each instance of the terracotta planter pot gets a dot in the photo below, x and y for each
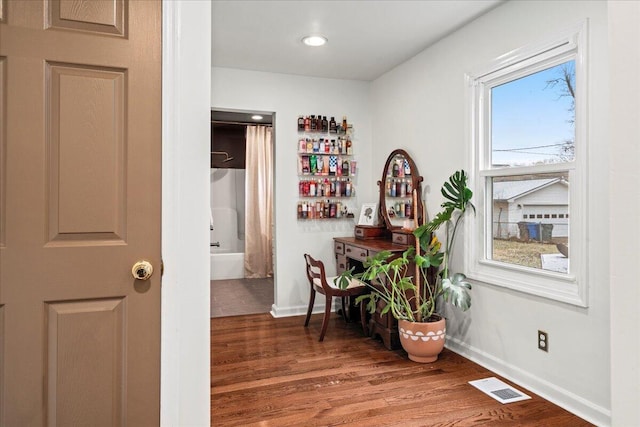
(422, 341)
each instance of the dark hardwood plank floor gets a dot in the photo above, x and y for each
(274, 372)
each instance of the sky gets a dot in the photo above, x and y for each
(529, 118)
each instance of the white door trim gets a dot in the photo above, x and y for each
(186, 68)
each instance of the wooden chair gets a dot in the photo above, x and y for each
(326, 286)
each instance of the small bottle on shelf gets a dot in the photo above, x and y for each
(312, 189)
(300, 124)
(333, 126)
(313, 123)
(307, 124)
(313, 165)
(345, 168)
(400, 168)
(333, 165)
(325, 124)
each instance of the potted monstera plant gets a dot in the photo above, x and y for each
(411, 286)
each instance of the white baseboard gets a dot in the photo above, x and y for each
(300, 310)
(565, 399)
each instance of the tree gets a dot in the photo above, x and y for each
(566, 82)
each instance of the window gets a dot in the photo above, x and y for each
(529, 170)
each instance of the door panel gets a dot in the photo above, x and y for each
(85, 138)
(3, 141)
(103, 16)
(80, 140)
(92, 332)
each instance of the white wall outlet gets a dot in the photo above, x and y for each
(543, 341)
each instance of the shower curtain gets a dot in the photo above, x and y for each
(258, 259)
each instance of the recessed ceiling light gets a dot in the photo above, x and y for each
(257, 117)
(314, 40)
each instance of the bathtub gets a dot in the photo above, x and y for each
(226, 265)
(227, 258)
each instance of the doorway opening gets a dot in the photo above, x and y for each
(241, 212)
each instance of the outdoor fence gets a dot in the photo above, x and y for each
(526, 231)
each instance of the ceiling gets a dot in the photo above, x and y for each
(366, 37)
(220, 117)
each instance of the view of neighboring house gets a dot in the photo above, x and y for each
(539, 201)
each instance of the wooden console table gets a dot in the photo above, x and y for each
(352, 252)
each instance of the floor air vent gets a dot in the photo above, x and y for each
(499, 390)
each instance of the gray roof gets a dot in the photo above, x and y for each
(507, 190)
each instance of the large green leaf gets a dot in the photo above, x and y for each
(456, 291)
(456, 191)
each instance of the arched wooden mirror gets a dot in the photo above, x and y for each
(399, 206)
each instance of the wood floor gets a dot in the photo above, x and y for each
(274, 372)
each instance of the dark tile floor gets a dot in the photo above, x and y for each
(241, 296)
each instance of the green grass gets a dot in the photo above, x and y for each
(521, 253)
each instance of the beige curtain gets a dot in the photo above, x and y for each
(258, 259)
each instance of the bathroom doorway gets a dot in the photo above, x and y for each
(241, 225)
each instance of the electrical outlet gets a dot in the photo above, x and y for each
(543, 341)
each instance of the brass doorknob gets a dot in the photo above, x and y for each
(142, 270)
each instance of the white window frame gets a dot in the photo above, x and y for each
(570, 288)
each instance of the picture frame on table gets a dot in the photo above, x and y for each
(368, 214)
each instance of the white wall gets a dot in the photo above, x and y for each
(420, 105)
(289, 96)
(624, 45)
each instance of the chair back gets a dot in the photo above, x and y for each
(315, 270)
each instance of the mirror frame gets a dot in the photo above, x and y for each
(416, 183)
